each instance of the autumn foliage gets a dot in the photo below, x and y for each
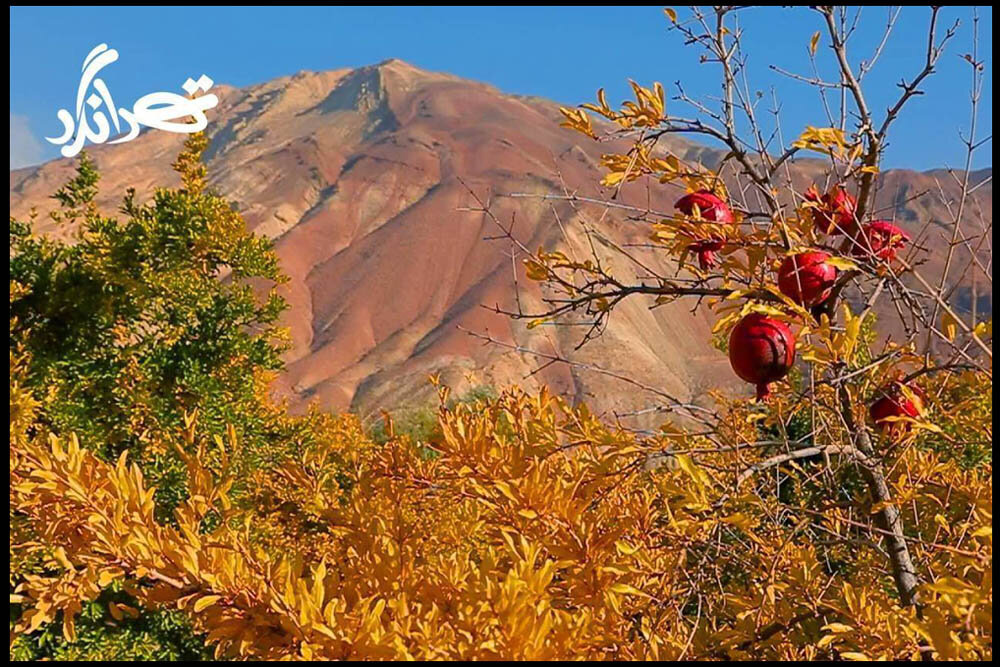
(163, 504)
(534, 532)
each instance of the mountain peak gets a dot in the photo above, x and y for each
(388, 62)
(408, 72)
(397, 65)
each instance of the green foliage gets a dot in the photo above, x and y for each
(154, 635)
(139, 321)
(80, 191)
(958, 408)
(143, 319)
(866, 339)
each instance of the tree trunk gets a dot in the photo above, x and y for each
(903, 571)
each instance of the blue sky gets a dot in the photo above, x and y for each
(563, 53)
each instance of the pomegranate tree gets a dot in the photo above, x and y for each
(815, 263)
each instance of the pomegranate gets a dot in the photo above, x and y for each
(880, 239)
(711, 209)
(892, 401)
(806, 278)
(761, 351)
(835, 215)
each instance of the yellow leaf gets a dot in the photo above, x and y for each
(949, 325)
(816, 138)
(625, 589)
(985, 531)
(69, 627)
(950, 586)
(505, 489)
(672, 15)
(613, 178)
(926, 426)
(206, 601)
(841, 263)
(698, 475)
(740, 520)
(625, 548)
(60, 555)
(535, 270)
(813, 43)
(837, 627)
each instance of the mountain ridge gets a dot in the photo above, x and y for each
(360, 177)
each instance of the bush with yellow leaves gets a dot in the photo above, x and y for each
(534, 532)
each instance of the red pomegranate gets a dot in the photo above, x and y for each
(880, 239)
(806, 278)
(711, 209)
(892, 401)
(761, 351)
(835, 214)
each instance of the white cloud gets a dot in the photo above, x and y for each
(24, 148)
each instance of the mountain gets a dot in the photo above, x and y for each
(362, 177)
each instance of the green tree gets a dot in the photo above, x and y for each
(142, 320)
(130, 328)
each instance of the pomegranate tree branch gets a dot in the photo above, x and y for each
(903, 571)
